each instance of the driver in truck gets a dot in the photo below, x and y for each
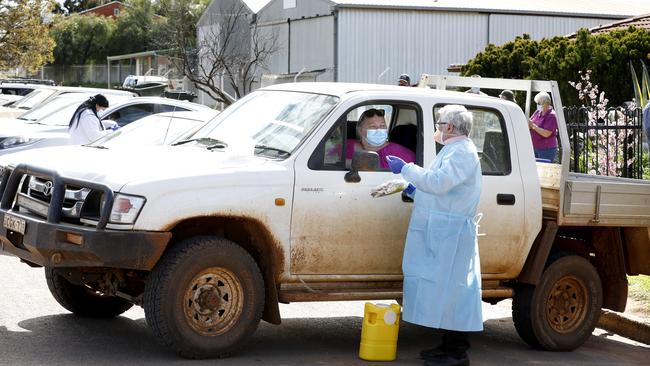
(441, 266)
(373, 136)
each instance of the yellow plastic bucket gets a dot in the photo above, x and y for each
(379, 332)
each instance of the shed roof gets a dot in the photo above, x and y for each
(579, 8)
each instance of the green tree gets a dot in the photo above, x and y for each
(24, 38)
(136, 28)
(560, 59)
(82, 39)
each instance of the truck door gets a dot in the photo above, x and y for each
(337, 227)
(502, 226)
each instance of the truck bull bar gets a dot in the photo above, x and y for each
(11, 180)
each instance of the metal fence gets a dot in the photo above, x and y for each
(606, 141)
(73, 75)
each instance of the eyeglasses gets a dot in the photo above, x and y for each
(373, 112)
(441, 123)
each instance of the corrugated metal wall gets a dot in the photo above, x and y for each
(311, 46)
(413, 42)
(308, 53)
(279, 61)
(504, 28)
(416, 42)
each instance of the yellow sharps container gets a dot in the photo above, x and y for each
(379, 332)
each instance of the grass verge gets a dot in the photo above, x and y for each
(639, 290)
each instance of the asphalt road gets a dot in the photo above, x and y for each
(35, 330)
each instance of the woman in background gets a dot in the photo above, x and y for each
(85, 126)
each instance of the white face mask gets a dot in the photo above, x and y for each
(376, 137)
(437, 137)
(539, 107)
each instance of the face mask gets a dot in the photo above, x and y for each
(539, 107)
(376, 137)
(437, 137)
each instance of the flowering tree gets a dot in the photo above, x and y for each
(607, 136)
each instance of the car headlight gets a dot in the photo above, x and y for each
(126, 208)
(15, 141)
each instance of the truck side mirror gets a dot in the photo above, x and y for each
(362, 161)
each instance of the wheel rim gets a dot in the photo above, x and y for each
(213, 301)
(566, 305)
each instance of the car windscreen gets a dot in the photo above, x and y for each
(268, 123)
(33, 98)
(151, 130)
(53, 106)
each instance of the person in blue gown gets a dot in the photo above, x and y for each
(442, 271)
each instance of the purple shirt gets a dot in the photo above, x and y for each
(548, 122)
(390, 149)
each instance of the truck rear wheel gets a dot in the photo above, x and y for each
(205, 297)
(561, 312)
(82, 300)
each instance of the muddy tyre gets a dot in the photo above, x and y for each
(561, 312)
(81, 300)
(205, 297)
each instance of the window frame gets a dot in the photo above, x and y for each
(504, 133)
(316, 160)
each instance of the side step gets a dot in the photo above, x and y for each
(349, 291)
(339, 291)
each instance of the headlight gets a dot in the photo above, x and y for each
(126, 208)
(15, 141)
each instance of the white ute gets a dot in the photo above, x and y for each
(263, 205)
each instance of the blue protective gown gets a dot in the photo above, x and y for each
(442, 271)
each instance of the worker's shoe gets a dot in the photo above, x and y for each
(447, 360)
(433, 352)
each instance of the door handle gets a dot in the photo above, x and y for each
(505, 199)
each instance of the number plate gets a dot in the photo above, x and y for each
(14, 224)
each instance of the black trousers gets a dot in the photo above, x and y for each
(455, 343)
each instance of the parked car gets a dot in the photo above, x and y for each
(263, 206)
(157, 129)
(45, 93)
(11, 91)
(48, 124)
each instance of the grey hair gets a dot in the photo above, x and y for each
(458, 116)
(542, 97)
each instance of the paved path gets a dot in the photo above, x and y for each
(35, 330)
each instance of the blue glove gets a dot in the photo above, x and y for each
(115, 128)
(395, 164)
(410, 189)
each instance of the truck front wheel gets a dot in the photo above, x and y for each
(204, 297)
(82, 300)
(561, 312)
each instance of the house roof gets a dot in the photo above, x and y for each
(101, 6)
(576, 8)
(642, 21)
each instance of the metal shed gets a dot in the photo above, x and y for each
(376, 40)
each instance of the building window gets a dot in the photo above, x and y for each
(289, 4)
(116, 12)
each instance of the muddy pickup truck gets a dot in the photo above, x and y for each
(264, 205)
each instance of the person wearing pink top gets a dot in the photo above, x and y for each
(373, 136)
(543, 129)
